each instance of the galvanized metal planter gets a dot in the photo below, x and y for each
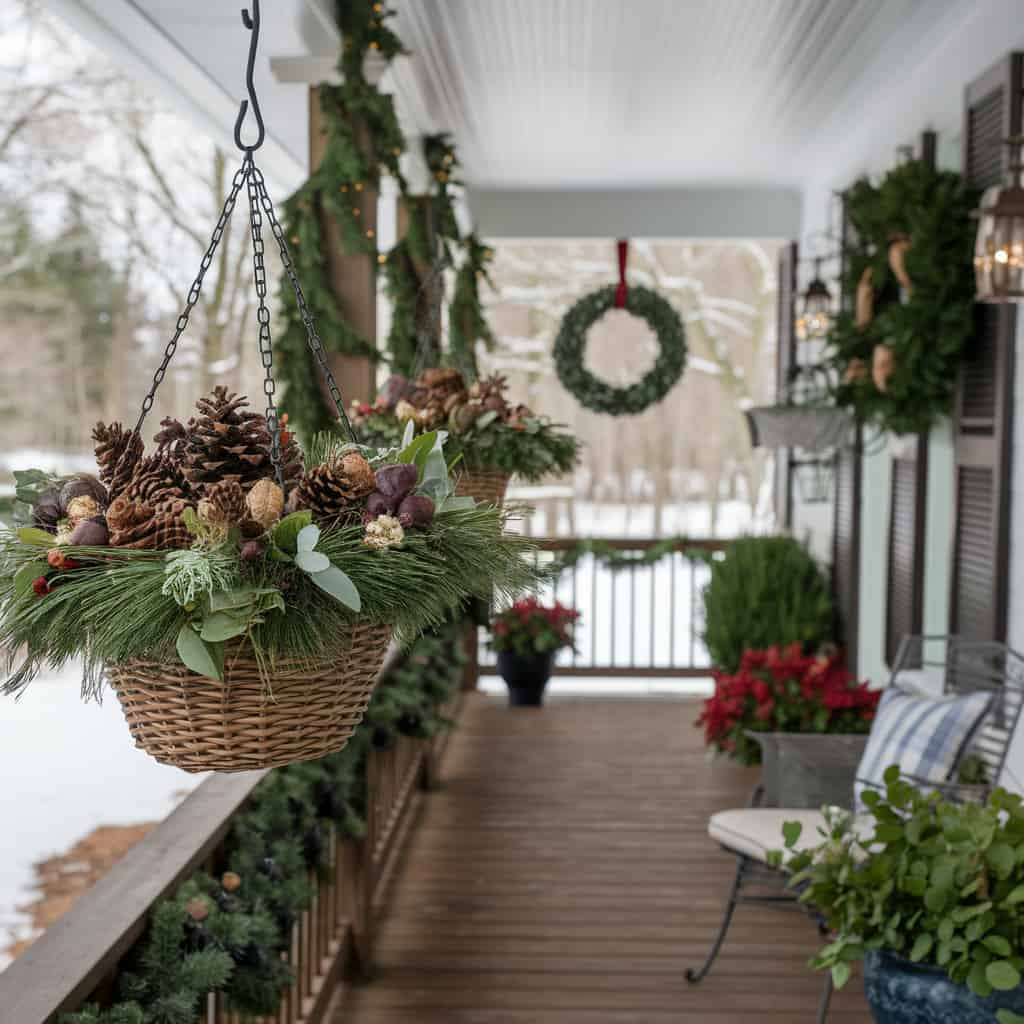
(808, 769)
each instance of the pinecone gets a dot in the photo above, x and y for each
(228, 442)
(118, 451)
(224, 503)
(490, 392)
(172, 437)
(158, 482)
(133, 524)
(437, 392)
(335, 490)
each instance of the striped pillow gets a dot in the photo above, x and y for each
(925, 736)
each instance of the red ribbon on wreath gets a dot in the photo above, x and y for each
(620, 292)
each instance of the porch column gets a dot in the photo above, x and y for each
(353, 277)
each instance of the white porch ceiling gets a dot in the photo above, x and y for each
(637, 93)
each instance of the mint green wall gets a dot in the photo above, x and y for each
(938, 529)
(876, 482)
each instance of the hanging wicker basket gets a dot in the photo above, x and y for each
(484, 486)
(200, 724)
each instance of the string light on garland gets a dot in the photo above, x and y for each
(349, 110)
(999, 246)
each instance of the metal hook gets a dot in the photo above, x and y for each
(253, 25)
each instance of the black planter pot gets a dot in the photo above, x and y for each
(526, 676)
(901, 992)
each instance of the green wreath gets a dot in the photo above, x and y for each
(594, 393)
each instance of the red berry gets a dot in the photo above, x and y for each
(40, 585)
(55, 558)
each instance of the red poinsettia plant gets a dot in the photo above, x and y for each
(784, 690)
(529, 627)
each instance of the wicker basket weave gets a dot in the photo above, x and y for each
(201, 724)
(486, 486)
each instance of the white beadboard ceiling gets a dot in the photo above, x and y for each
(697, 109)
(636, 93)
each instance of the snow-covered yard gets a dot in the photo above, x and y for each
(67, 768)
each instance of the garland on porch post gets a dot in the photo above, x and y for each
(355, 113)
(466, 322)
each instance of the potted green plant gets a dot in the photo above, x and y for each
(764, 591)
(930, 895)
(805, 717)
(527, 637)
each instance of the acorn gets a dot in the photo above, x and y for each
(416, 510)
(91, 533)
(83, 485)
(395, 482)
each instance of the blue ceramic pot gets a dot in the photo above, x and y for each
(900, 992)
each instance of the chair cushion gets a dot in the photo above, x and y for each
(925, 736)
(753, 831)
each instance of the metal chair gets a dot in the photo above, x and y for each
(943, 664)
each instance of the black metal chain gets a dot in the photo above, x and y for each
(259, 274)
(315, 344)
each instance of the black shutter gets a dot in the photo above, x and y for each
(904, 589)
(904, 592)
(785, 361)
(984, 402)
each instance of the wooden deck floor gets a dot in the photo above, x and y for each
(562, 875)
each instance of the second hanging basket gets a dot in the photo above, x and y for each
(300, 710)
(484, 486)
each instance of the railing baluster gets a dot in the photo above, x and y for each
(632, 616)
(651, 659)
(693, 607)
(672, 608)
(574, 594)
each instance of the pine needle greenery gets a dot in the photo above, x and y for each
(116, 604)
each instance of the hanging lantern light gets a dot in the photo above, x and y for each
(999, 247)
(816, 316)
(814, 479)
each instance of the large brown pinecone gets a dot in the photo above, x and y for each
(337, 489)
(133, 524)
(227, 441)
(171, 436)
(159, 483)
(118, 452)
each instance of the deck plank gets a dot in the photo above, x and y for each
(562, 875)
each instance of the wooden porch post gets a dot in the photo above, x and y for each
(430, 296)
(353, 277)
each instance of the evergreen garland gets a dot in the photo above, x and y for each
(925, 329)
(228, 933)
(352, 110)
(466, 322)
(614, 558)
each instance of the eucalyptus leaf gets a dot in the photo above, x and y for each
(408, 434)
(197, 655)
(33, 535)
(312, 561)
(221, 626)
(486, 419)
(339, 586)
(307, 538)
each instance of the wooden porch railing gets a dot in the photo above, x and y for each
(77, 960)
(635, 621)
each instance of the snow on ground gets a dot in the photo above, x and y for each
(68, 767)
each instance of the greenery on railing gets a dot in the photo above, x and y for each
(228, 933)
(614, 557)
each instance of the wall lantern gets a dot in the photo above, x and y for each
(816, 315)
(999, 247)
